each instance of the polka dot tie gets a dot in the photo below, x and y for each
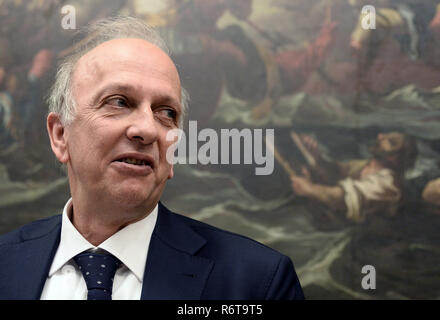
(98, 270)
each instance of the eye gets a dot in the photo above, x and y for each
(170, 113)
(167, 115)
(120, 102)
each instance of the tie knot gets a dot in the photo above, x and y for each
(98, 271)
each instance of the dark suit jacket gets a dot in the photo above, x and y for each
(187, 260)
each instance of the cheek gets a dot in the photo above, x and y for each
(163, 149)
(164, 146)
(89, 143)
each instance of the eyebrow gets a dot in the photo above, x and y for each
(133, 91)
(116, 87)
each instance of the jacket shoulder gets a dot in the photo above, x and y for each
(33, 230)
(224, 242)
(243, 268)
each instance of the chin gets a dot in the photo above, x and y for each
(132, 196)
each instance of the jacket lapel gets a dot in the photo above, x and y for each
(24, 271)
(173, 271)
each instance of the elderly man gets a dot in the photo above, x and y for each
(112, 105)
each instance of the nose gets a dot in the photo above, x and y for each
(142, 127)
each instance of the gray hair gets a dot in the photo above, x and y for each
(60, 98)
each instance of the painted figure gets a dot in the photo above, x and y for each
(360, 187)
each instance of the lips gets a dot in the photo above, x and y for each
(136, 159)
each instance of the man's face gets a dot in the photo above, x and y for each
(388, 146)
(390, 142)
(127, 94)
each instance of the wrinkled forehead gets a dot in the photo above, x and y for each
(124, 55)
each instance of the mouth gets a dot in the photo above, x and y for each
(134, 165)
(139, 160)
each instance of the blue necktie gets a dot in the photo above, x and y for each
(98, 270)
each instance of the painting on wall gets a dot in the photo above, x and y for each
(350, 90)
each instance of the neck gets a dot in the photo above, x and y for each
(97, 222)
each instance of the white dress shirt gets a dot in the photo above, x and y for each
(130, 245)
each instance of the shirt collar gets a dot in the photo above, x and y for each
(130, 244)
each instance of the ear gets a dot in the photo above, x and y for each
(57, 137)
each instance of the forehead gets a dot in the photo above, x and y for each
(134, 62)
